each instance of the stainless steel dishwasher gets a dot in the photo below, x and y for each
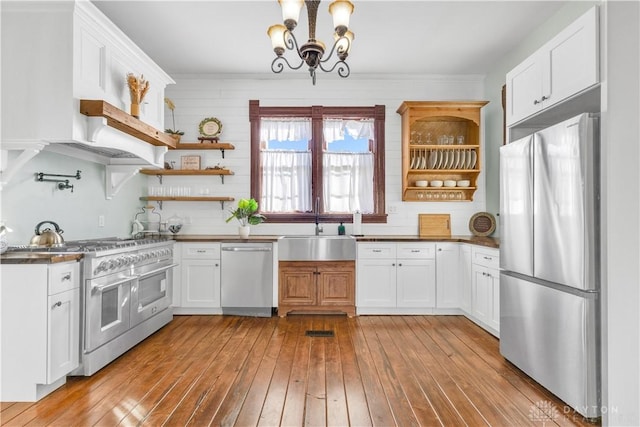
(247, 279)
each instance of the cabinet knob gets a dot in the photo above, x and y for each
(58, 304)
(439, 249)
(393, 264)
(66, 276)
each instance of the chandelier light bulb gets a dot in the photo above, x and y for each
(276, 34)
(341, 11)
(291, 12)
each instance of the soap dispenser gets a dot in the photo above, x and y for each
(341, 230)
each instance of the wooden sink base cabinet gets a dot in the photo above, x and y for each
(316, 287)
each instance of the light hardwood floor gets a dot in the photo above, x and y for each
(376, 370)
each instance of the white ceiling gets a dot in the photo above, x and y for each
(412, 37)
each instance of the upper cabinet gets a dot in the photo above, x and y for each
(440, 150)
(565, 66)
(55, 54)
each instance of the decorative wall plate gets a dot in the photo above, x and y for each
(210, 127)
(482, 224)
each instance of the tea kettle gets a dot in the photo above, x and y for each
(47, 237)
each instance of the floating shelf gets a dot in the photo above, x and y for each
(186, 172)
(126, 123)
(205, 146)
(161, 199)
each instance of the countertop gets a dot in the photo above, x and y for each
(481, 241)
(38, 258)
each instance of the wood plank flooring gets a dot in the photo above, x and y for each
(244, 371)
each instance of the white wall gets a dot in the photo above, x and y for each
(26, 202)
(621, 211)
(228, 100)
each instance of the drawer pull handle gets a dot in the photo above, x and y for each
(58, 304)
(66, 276)
(415, 250)
(377, 250)
(201, 251)
(488, 258)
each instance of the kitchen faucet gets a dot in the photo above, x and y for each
(318, 228)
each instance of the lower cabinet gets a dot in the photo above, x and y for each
(40, 318)
(485, 289)
(396, 278)
(448, 277)
(464, 278)
(316, 286)
(199, 284)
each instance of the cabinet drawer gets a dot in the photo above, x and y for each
(486, 256)
(416, 250)
(201, 251)
(376, 250)
(63, 277)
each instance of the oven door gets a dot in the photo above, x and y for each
(107, 312)
(152, 292)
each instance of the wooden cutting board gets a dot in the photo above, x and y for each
(434, 225)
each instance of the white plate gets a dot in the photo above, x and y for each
(423, 160)
(474, 158)
(458, 159)
(463, 159)
(441, 160)
(413, 160)
(468, 165)
(452, 158)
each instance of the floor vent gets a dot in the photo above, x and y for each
(319, 334)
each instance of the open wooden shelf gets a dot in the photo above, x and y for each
(186, 172)
(204, 146)
(118, 119)
(161, 199)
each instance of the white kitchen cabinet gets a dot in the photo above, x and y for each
(485, 289)
(564, 66)
(40, 328)
(447, 275)
(395, 278)
(465, 275)
(199, 284)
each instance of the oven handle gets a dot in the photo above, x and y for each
(112, 285)
(149, 273)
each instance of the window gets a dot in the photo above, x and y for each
(327, 161)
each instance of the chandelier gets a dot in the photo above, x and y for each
(312, 52)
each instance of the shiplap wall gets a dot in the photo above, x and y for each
(227, 98)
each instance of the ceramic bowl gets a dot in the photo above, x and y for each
(463, 183)
(449, 183)
(437, 183)
(422, 183)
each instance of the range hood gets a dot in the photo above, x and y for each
(121, 142)
(114, 137)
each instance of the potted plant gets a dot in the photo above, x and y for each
(246, 214)
(175, 133)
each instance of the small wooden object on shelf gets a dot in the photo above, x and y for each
(190, 162)
(210, 140)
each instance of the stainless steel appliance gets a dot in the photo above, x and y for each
(550, 260)
(125, 295)
(247, 279)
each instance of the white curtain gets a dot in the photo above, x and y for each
(335, 129)
(348, 182)
(286, 181)
(284, 129)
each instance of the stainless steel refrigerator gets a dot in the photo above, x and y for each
(550, 260)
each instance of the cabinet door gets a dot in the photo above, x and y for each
(465, 278)
(376, 283)
(336, 285)
(524, 89)
(416, 283)
(481, 294)
(447, 275)
(297, 286)
(493, 276)
(63, 331)
(200, 283)
(571, 59)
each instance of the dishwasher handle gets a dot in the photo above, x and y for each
(241, 249)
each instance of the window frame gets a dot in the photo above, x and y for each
(317, 113)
